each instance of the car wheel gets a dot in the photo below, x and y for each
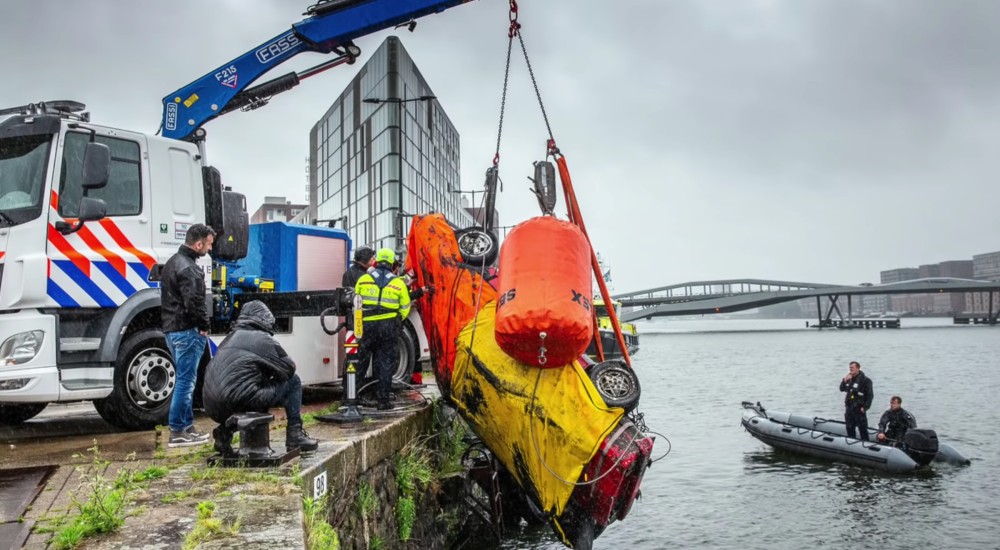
(617, 384)
(407, 357)
(12, 414)
(478, 246)
(144, 383)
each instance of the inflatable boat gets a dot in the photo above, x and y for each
(562, 444)
(825, 438)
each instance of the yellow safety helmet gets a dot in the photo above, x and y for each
(385, 255)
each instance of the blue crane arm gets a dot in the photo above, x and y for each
(331, 27)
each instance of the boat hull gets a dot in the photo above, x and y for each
(609, 345)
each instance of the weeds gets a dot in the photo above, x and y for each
(309, 418)
(366, 499)
(319, 533)
(406, 515)
(414, 472)
(209, 527)
(452, 439)
(413, 466)
(176, 496)
(104, 509)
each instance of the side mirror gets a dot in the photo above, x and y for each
(96, 167)
(92, 209)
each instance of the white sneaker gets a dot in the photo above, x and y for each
(187, 438)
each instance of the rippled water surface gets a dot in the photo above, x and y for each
(720, 488)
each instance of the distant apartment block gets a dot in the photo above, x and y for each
(985, 267)
(899, 275)
(924, 304)
(277, 209)
(900, 302)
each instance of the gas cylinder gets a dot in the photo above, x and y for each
(544, 313)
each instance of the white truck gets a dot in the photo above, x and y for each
(88, 213)
(79, 302)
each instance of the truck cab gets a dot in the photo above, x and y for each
(81, 227)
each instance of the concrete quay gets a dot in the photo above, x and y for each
(250, 508)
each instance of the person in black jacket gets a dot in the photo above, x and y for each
(895, 422)
(857, 401)
(364, 259)
(252, 373)
(184, 315)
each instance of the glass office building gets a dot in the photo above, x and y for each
(374, 165)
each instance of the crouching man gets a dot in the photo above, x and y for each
(252, 373)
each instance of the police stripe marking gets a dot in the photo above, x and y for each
(121, 240)
(83, 281)
(67, 250)
(60, 296)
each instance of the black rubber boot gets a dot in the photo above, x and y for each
(297, 438)
(223, 441)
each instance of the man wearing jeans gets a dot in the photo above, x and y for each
(184, 314)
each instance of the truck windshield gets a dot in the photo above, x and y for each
(22, 177)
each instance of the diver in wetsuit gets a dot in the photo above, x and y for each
(894, 422)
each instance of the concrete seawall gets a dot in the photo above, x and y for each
(352, 476)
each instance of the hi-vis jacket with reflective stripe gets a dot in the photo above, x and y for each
(383, 295)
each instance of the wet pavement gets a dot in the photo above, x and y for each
(18, 488)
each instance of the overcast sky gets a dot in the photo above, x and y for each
(818, 141)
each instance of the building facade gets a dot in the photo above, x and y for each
(374, 165)
(954, 302)
(898, 303)
(985, 267)
(277, 209)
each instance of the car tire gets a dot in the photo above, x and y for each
(477, 246)
(144, 382)
(12, 414)
(616, 383)
(407, 357)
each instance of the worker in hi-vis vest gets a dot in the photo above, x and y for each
(385, 303)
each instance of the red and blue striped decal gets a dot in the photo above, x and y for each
(91, 267)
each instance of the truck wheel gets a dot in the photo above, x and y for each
(478, 246)
(407, 357)
(617, 384)
(143, 385)
(12, 414)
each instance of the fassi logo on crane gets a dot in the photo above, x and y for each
(279, 46)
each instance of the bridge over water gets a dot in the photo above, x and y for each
(725, 296)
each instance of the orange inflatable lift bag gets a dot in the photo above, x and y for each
(544, 314)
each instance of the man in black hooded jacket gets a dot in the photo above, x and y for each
(252, 373)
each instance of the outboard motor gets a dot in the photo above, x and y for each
(921, 445)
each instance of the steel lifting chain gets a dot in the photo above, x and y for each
(538, 94)
(515, 30)
(512, 30)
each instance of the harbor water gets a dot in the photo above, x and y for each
(720, 488)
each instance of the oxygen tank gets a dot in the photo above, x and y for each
(544, 313)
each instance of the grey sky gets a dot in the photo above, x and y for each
(817, 141)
